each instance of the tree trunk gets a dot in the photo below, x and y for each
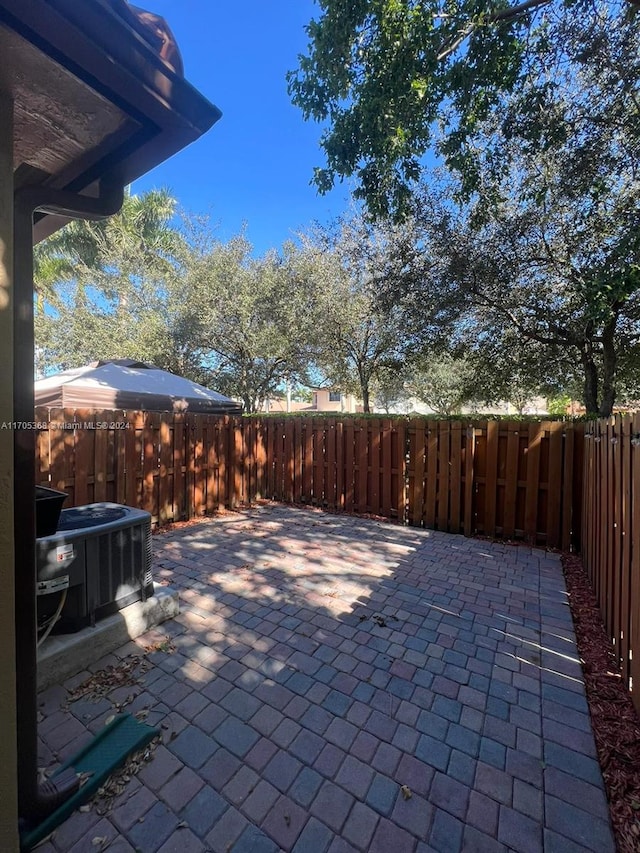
(365, 399)
(609, 364)
(590, 380)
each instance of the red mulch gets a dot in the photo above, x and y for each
(616, 725)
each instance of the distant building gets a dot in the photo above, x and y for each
(323, 400)
(331, 400)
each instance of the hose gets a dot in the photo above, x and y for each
(54, 618)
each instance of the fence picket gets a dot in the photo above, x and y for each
(340, 483)
(298, 446)
(616, 565)
(491, 479)
(567, 489)
(330, 464)
(417, 454)
(362, 455)
(386, 465)
(400, 472)
(511, 480)
(375, 438)
(287, 462)
(307, 475)
(165, 501)
(431, 474)
(469, 486)
(554, 484)
(634, 604)
(455, 487)
(444, 464)
(82, 467)
(625, 518)
(532, 493)
(349, 466)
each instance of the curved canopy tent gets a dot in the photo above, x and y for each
(132, 385)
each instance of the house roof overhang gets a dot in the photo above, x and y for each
(93, 98)
(97, 102)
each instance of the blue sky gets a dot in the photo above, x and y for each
(255, 165)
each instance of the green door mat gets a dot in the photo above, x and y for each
(104, 754)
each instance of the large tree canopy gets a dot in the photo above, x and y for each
(251, 320)
(532, 290)
(361, 338)
(392, 78)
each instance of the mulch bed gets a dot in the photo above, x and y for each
(615, 722)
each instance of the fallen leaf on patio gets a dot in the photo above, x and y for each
(164, 645)
(84, 777)
(142, 715)
(109, 719)
(182, 825)
(287, 820)
(102, 682)
(406, 792)
(85, 808)
(98, 840)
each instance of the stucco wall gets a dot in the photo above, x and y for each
(8, 758)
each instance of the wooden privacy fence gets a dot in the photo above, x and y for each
(514, 480)
(611, 539)
(175, 466)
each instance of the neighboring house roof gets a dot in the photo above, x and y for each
(131, 385)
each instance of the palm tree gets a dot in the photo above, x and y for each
(102, 288)
(140, 235)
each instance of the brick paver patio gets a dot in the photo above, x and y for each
(343, 684)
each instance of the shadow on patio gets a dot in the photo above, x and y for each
(337, 683)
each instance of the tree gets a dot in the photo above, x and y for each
(535, 261)
(442, 383)
(111, 250)
(393, 78)
(390, 392)
(508, 368)
(104, 287)
(250, 319)
(360, 336)
(534, 290)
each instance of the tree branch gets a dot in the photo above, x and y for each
(505, 15)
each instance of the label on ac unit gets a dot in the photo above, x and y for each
(55, 585)
(64, 552)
